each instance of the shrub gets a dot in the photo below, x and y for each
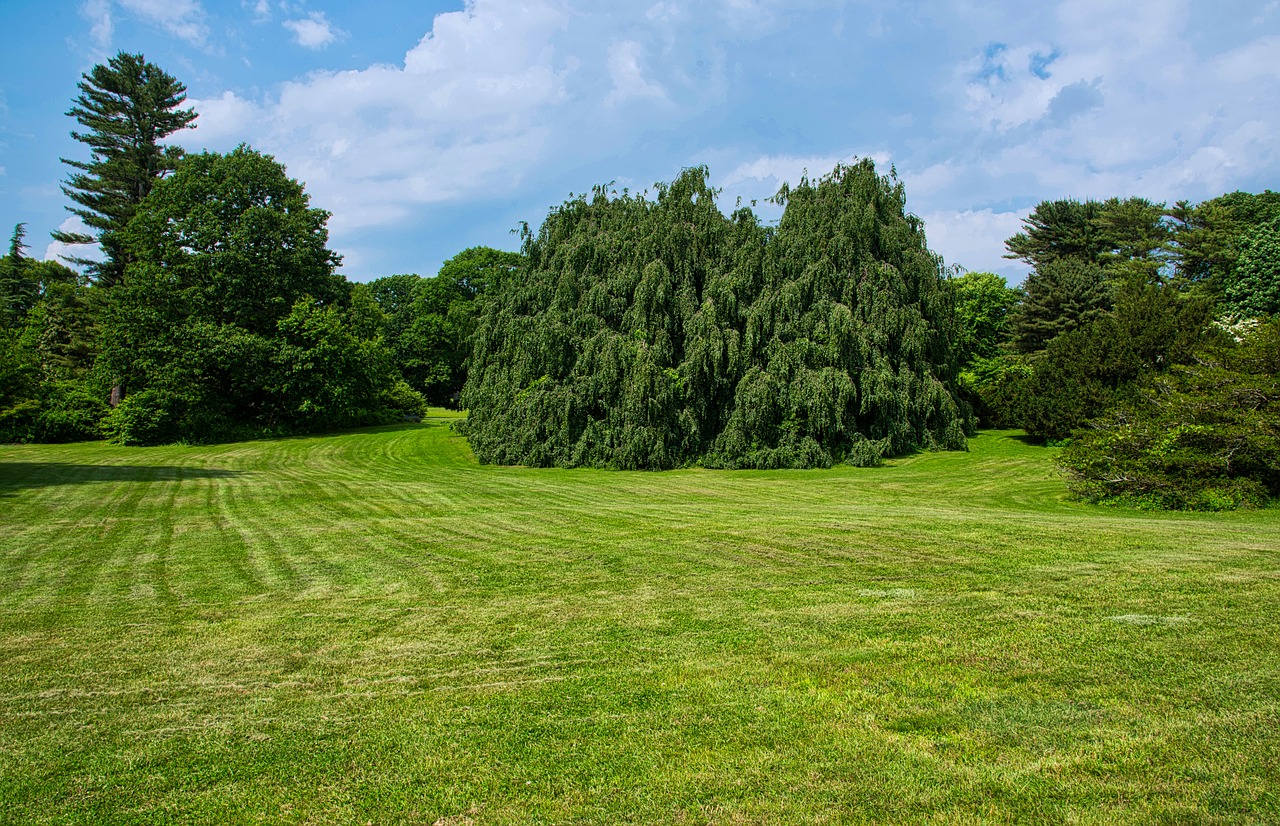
(1206, 436)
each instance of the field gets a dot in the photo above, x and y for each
(370, 627)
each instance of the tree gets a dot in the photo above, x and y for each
(1252, 285)
(1061, 295)
(230, 319)
(1083, 372)
(656, 333)
(1205, 436)
(1059, 229)
(430, 321)
(1207, 236)
(126, 108)
(984, 305)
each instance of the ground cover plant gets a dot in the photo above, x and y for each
(372, 627)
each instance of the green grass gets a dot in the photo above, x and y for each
(370, 627)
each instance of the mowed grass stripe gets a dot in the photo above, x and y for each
(370, 626)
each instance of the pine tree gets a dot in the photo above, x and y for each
(1061, 296)
(126, 108)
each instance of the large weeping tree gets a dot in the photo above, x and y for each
(125, 108)
(657, 333)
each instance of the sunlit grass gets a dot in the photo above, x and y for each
(371, 627)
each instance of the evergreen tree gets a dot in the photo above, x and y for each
(1207, 236)
(1060, 296)
(1205, 436)
(1085, 371)
(126, 108)
(1056, 230)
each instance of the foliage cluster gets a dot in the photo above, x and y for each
(47, 332)
(1204, 436)
(230, 319)
(1114, 345)
(658, 333)
(430, 321)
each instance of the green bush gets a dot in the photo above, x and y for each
(148, 417)
(1206, 436)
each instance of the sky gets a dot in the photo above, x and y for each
(426, 127)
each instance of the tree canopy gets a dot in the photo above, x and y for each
(656, 333)
(230, 318)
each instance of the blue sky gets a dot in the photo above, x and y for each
(428, 127)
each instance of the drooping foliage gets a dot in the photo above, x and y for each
(230, 319)
(657, 333)
(1204, 436)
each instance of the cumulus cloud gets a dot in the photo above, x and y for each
(974, 239)
(463, 115)
(1083, 100)
(313, 31)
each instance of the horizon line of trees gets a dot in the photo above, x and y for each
(631, 332)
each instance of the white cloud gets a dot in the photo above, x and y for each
(313, 31)
(101, 29)
(974, 239)
(181, 18)
(222, 124)
(779, 169)
(1105, 101)
(58, 251)
(628, 77)
(465, 114)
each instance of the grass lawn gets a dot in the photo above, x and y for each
(370, 627)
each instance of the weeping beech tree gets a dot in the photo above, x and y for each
(656, 333)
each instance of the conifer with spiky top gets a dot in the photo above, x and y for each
(126, 108)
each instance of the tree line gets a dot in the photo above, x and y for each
(639, 331)
(215, 311)
(1141, 342)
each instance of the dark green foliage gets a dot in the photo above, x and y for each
(1127, 237)
(1083, 372)
(1253, 284)
(1057, 230)
(1060, 296)
(126, 108)
(47, 342)
(430, 321)
(1206, 436)
(997, 388)
(230, 320)
(1207, 236)
(654, 334)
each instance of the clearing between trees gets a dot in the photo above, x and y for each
(371, 626)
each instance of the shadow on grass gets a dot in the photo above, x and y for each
(16, 476)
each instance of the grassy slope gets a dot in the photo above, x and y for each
(371, 627)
